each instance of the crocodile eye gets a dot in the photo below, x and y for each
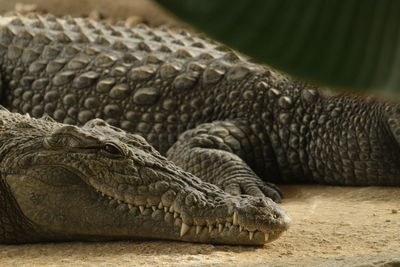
(112, 149)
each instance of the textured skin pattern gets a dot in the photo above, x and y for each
(217, 152)
(160, 83)
(55, 178)
(13, 224)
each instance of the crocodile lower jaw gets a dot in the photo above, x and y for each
(231, 226)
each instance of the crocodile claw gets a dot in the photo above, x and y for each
(253, 186)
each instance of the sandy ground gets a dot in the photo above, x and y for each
(332, 226)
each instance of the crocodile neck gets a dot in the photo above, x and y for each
(14, 226)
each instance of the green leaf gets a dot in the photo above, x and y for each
(342, 43)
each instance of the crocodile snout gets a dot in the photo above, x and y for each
(262, 215)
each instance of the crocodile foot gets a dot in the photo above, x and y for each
(253, 186)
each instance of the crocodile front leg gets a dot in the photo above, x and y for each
(215, 152)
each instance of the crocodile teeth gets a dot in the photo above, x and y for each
(184, 229)
(266, 237)
(210, 228)
(171, 209)
(198, 229)
(251, 234)
(235, 218)
(165, 209)
(175, 215)
(220, 227)
(141, 208)
(160, 206)
(153, 208)
(240, 228)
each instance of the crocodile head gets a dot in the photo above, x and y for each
(101, 183)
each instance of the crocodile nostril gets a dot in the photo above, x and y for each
(261, 202)
(98, 122)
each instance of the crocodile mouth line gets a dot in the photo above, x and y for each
(230, 226)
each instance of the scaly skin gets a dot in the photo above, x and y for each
(61, 182)
(214, 113)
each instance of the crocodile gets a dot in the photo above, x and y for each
(61, 182)
(215, 113)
